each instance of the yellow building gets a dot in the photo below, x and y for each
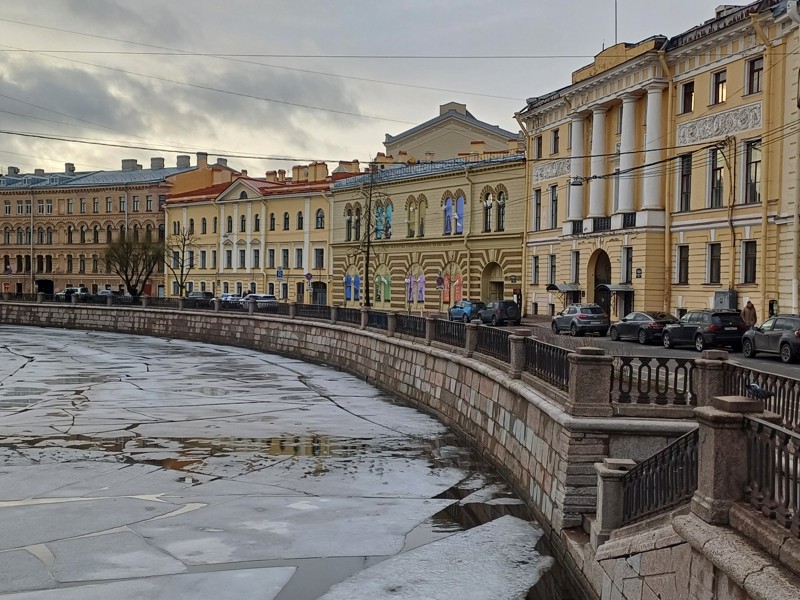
(669, 156)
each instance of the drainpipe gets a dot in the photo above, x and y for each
(792, 11)
(766, 149)
(526, 207)
(667, 307)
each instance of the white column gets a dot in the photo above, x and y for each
(627, 157)
(575, 212)
(654, 140)
(597, 187)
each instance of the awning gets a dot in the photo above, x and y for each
(615, 287)
(563, 287)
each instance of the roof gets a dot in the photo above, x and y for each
(89, 179)
(563, 287)
(452, 114)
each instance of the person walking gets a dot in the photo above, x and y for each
(749, 315)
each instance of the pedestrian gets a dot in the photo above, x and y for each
(749, 315)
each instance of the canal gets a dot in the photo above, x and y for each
(137, 467)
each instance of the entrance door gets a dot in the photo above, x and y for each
(319, 293)
(602, 274)
(495, 291)
(625, 303)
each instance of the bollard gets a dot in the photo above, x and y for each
(74, 298)
(292, 310)
(109, 300)
(144, 301)
(180, 303)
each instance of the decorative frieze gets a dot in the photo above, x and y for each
(720, 125)
(551, 170)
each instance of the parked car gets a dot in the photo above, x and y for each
(643, 326)
(777, 335)
(465, 310)
(580, 319)
(228, 298)
(262, 300)
(195, 299)
(101, 297)
(498, 312)
(66, 294)
(706, 328)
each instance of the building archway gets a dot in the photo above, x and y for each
(492, 282)
(599, 271)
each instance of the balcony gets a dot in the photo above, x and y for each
(602, 224)
(628, 220)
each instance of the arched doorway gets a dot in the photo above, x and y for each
(319, 292)
(492, 282)
(599, 274)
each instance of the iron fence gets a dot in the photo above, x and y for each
(269, 308)
(231, 306)
(494, 342)
(547, 362)
(785, 400)
(411, 325)
(661, 482)
(453, 333)
(378, 320)
(773, 458)
(313, 311)
(653, 380)
(350, 315)
(161, 302)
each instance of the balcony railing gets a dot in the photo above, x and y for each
(602, 224)
(628, 220)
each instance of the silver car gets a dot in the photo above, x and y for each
(579, 319)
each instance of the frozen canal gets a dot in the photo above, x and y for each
(142, 468)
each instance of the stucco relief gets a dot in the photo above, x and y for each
(557, 168)
(719, 125)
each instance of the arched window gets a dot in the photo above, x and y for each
(230, 225)
(96, 234)
(387, 229)
(83, 234)
(488, 202)
(203, 225)
(411, 215)
(272, 221)
(148, 232)
(6, 236)
(348, 223)
(257, 223)
(243, 195)
(69, 234)
(40, 235)
(357, 227)
(501, 211)
(161, 230)
(49, 239)
(122, 232)
(215, 225)
(460, 215)
(423, 205)
(136, 233)
(191, 226)
(448, 216)
(176, 228)
(109, 236)
(379, 222)
(286, 221)
(243, 224)
(300, 221)
(320, 219)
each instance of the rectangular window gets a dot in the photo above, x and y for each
(576, 266)
(719, 87)
(553, 206)
(176, 259)
(537, 147)
(136, 204)
(569, 136)
(241, 259)
(123, 204)
(685, 185)
(298, 258)
(687, 97)
(202, 259)
(551, 269)
(95, 205)
(537, 210)
(535, 271)
(554, 141)
(256, 259)
(109, 205)
(619, 120)
(148, 204)
(49, 207)
(83, 206)
(28, 207)
(270, 258)
(213, 259)
(755, 75)
(70, 206)
(228, 259)
(191, 259)
(752, 153)
(7, 208)
(717, 165)
(69, 263)
(749, 262)
(285, 259)
(319, 258)
(682, 265)
(40, 207)
(627, 264)
(714, 262)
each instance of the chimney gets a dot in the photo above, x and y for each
(429, 156)
(202, 160)
(281, 175)
(223, 162)
(157, 162)
(244, 172)
(13, 170)
(69, 168)
(183, 161)
(478, 147)
(39, 172)
(317, 171)
(348, 166)
(271, 176)
(128, 164)
(297, 174)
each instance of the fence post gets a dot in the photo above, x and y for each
(74, 298)
(144, 301)
(180, 303)
(430, 329)
(334, 314)
(251, 306)
(590, 383)
(610, 498)
(391, 324)
(517, 352)
(471, 338)
(292, 310)
(722, 455)
(364, 317)
(109, 300)
(217, 304)
(709, 376)
(39, 297)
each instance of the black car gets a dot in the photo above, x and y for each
(706, 328)
(777, 335)
(498, 312)
(643, 326)
(198, 299)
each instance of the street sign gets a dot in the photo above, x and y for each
(280, 273)
(308, 276)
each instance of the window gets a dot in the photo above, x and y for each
(257, 223)
(213, 259)
(752, 153)
(576, 266)
(96, 234)
(70, 206)
(242, 258)
(95, 205)
(191, 259)
(136, 204)
(81, 264)
(69, 234)
(284, 290)
(488, 201)
(272, 221)
(755, 75)
(553, 206)
(683, 264)
(535, 271)
(49, 207)
(551, 269)
(214, 228)
(109, 204)
(687, 97)
(123, 204)
(286, 221)
(300, 221)
(348, 224)
(619, 119)
(243, 224)
(148, 204)
(501, 211)
(319, 221)
(203, 225)
(717, 164)
(191, 226)
(537, 147)
(298, 258)
(83, 234)
(719, 87)
(228, 259)
(270, 258)
(230, 225)
(554, 141)
(40, 207)
(749, 262)
(176, 259)
(357, 224)
(459, 227)
(319, 258)
(176, 227)
(82, 205)
(271, 289)
(714, 263)
(203, 259)
(285, 259)
(7, 208)
(537, 210)
(69, 263)
(685, 184)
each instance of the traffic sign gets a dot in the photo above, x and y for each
(308, 276)
(280, 273)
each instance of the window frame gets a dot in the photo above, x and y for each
(719, 86)
(687, 97)
(754, 75)
(714, 263)
(682, 264)
(749, 262)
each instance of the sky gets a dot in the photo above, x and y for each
(269, 84)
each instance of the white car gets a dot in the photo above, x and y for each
(262, 300)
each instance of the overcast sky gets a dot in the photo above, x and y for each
(184, 100)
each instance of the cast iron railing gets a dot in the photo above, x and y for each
(773, 460)
(450, 332)
(663, 481)
(411, 325)
(268, 308)
(547, 362)
(494, 342)
(165, 303)
(628, 220)
(653, 380)
(786, 398)
(313, 311)
(378, 320)
(230, 305)
(350, 315)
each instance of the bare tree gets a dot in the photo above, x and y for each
(134, 261)
(180, 254)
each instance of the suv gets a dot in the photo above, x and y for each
(706, 328)
(198, 299)
(66, 294)
(580, 319)
(777, 335)
(465, 310)
(498, 312)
